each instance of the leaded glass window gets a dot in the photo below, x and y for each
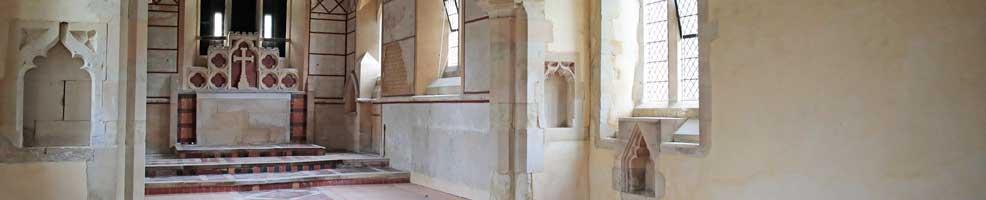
(655, 26)
(663, 83)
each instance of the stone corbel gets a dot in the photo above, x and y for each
(653, 131)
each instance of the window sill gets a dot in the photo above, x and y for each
(683, 148)
(656, 111)
(669, 105)
(674, 135)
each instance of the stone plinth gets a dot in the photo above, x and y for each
(243, 118)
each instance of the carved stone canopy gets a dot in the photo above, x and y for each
(87, 41)
(560, 68)
(241, 64)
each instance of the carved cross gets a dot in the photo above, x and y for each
(243, 67)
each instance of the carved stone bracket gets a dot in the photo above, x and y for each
(560, 68)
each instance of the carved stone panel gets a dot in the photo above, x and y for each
(59, 84)
(242, 65)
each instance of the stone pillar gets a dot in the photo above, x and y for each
(506, 96)
(134, 61)
(516, 54)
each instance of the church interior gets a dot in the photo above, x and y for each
(492, 99)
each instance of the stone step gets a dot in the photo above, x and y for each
(156, 167)
(251, 150)
(270, 181)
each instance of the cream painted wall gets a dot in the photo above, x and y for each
(429, 24)
(43, 181)
(368, 28)
(565, 151)
(837, 100)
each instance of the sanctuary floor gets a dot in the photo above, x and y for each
(341, 192)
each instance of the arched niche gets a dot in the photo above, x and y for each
(559, 95)
(59, 90)
(635, 172)
(57, 105)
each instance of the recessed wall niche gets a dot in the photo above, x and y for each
(57, 103)
(559, 94)
(59, 84)
(634, 171)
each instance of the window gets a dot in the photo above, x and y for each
(667, 83)
(688, 50)
(265, 17)
(452, 14)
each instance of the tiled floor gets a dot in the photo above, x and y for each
(343, 192)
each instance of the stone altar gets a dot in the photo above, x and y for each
(243, 118)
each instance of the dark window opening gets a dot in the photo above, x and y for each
(277, 12)
(243, 17)
(209, 9)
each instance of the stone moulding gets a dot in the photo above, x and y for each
(35, 39)
(46, 154)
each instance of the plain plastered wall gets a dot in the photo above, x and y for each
(839, 100)
(46, 180)
(565, 157)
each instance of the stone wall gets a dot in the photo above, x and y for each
(842, 100)
(163, 33)
(446, 146)
(476, 45)
(332, 59)
(445, 142)
(93, 168)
